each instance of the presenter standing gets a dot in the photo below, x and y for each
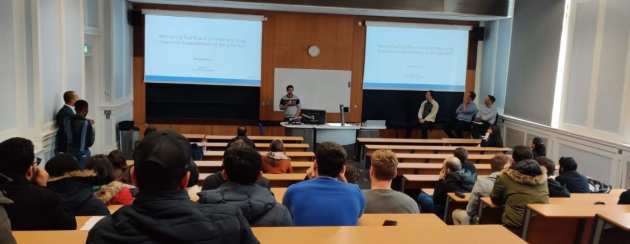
(427, 113)
(290, 104)
(465, 115)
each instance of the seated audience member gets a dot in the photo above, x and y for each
(325, 200)
(352, 174)
(111, 191)
(483, 188)
(486, 116)
(162, 211)
(524, 182)
(520, 153)
(80, 133)
(427, 113)
(215, 180)
(74, 186)
(555, 188)
(242, 167)
(241, 134)
(625, 197)
(492, 138)
(5, 223)
(465, 113)
(121, 169)
(276, 161)
(569, 177)
(538, 147)
(452, 179)
(381, 198)
(34, 206)
(470, 171)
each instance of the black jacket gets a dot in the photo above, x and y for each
(245, 139)
(625, 197)
(75, 189)
(257, 203)
(453, 182)
(574, 181)
(171, 217)
(64, 114)
(35, 207)
(215, 180)
(556, 189)
(76, 133)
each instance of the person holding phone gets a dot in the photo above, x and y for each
(34, 207)
(290, 104)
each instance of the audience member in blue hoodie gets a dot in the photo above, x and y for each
(570, 178)
(325, 200)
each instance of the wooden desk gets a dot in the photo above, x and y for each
(297, 156)
(562, 223)
(219, 146)
(620, 231)
(291, 139)
(194, 137)
(278, 193)
(419, 181)
(438, 158)
(370, 148)
(434, 168)
(404, 220)
(113, 208)
(400, 141)
(330, 235)
(214, 166)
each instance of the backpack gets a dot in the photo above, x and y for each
(598, 187)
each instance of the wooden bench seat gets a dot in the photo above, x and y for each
(434, 168)
(369, 149)
(214, 166)
(297, 156)
(439, 158)
(275, 180)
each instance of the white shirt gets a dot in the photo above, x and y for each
(71, 107)
(487, 114)
(434, 110)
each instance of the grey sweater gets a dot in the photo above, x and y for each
(389, 201)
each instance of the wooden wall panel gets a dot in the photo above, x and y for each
(286, 37)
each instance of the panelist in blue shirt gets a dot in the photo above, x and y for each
(465, 115)
(326, 200)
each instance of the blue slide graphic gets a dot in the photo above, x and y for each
(202, 50)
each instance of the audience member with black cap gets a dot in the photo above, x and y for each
(242, 167)
(74, 186)
(569, 176)
(162, 211)
(34, 206)
(555, 188)
(325, 200)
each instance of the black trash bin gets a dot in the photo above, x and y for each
(126, 136)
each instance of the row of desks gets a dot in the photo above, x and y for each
(403, 141)
(224, 138)
(423, 149)
(219, 146)
(425, 233)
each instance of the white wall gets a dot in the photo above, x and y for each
(495, 60)
(42, 56)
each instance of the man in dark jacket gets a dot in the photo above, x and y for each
(34, 207)
(241, 134)
(162, 211)
(470, 171)
(625, 197)
(452, 179)
(242, 167)
(80, 133)
(569, 177)
(74, 186)
(64, 114)
(555, 188)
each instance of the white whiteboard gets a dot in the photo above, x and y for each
(316, 88)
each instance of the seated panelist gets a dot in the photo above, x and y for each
(465, 115)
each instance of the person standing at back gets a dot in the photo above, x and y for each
(34, 207)
(381, 198)
(427, 113)
(80, 133)
(162, 211)
(290, 104)
(465, 115)
(325, 200)
(569, 176)
(65, 113)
